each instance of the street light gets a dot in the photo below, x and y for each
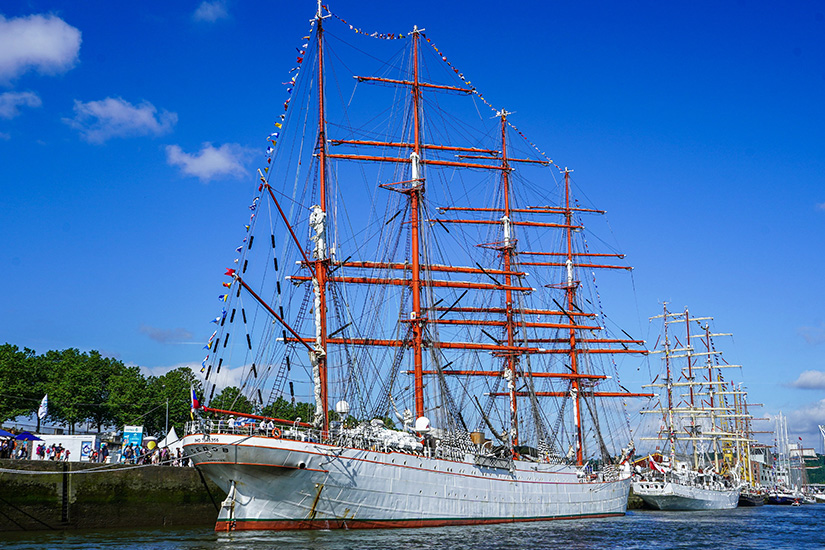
(167, 411)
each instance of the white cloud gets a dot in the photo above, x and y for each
(98, 121)
(211, 11)
(813, 335)
(209, 162)
(807, 419)
(10, 103)
(44, 43)
(810, 380)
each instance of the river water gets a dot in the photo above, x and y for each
(767, 527)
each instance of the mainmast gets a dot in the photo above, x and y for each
(414, 193)
(318, 217)
(669, 381)
(690, 378)
(507, 251)
(571, 305)
(712, 397)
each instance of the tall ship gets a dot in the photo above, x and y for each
(697, 469)
(414, 311)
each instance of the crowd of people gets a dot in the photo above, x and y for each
(10, 448)
(163, 456)
(52, 452)
(128, 454)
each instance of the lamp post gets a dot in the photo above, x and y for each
(166, 431)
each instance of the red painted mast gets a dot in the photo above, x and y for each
(414, 192)
(507, 251)
(321, 263)
(571, 304)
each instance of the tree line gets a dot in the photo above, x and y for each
(86, 387)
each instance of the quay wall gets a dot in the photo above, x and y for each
(119, 497)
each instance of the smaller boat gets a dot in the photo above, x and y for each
(751, 497)
(782, 497)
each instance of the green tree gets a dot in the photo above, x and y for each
(21, 383)
(78, 386)
(231, 399)
(281, 408)
(128, 398)
(174, 386)
(100, 371)
(67, 386)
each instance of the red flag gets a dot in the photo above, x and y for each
(654, 466)
(230, 273)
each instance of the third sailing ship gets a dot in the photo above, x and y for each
(699, 469)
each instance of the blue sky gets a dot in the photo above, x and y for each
(130, 134)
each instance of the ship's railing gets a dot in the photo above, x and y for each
(373, 440)
(221, 426)
(611, 473)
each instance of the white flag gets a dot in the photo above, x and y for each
(44, 407)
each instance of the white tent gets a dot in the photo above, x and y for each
(172, 441)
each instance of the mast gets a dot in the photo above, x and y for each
(318, 222)
(414, 193)
(571, 305)
(669, 382)
(507, 251)
(691, 379)
(712, 394)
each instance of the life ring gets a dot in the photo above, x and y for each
(276, 433)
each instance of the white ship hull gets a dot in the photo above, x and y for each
(675, 496)
(279, 484)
